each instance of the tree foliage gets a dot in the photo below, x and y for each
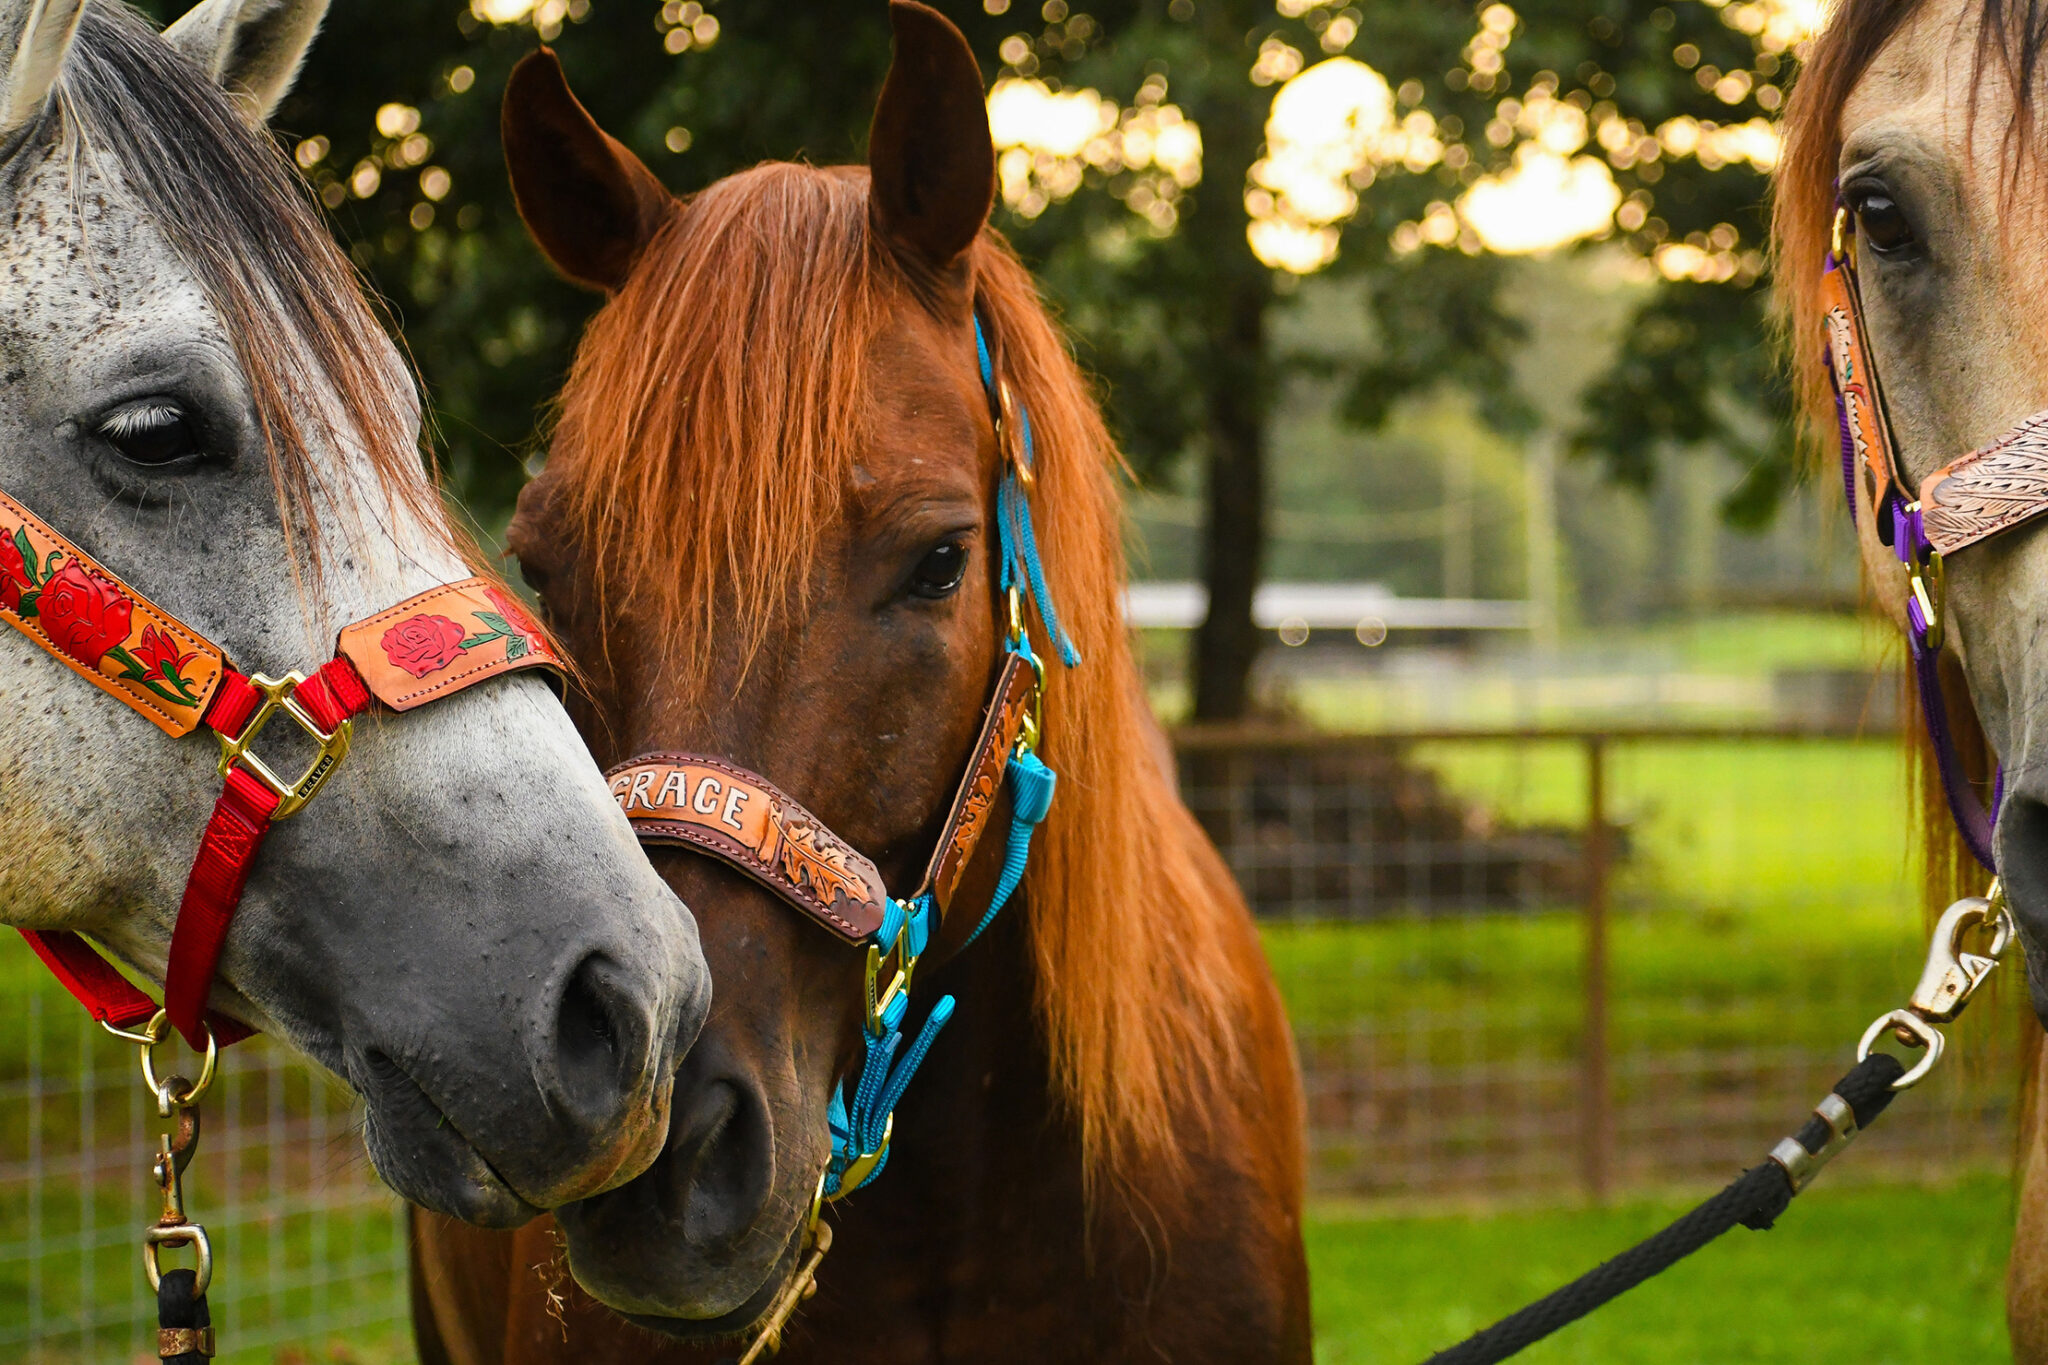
(396, 125)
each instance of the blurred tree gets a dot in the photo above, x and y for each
(1149, 176)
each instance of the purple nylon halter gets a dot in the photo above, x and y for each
(1900, 526)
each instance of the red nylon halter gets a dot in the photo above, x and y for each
(227, 854)
(88, 619)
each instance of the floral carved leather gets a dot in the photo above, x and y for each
(1009, 703)
(100, 628)
(745, 820)
(443, 640)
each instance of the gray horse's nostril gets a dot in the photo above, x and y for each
(2023, 866)
(601, 1040)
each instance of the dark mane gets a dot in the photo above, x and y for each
(233, 207)
(706, 437)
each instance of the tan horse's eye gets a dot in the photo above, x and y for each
(1883, 223)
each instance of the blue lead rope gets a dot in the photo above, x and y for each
(860, 1130)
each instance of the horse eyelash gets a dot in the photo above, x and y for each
(142, 417)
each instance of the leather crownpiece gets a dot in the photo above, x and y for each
(102, 629)
(1009, 704)
(746, 821)
(1989, 490)
(443, 640)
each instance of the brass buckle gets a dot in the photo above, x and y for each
(277, 696)
(897, 956)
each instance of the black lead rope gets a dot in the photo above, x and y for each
(1754, 1200)
(184, 1327)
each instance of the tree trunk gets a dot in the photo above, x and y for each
(1226, 645)
(1238, 389)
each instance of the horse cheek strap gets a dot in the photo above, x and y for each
(429, 646)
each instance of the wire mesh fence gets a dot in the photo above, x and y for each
(1431, 905)
(1489, 1002)
(309, 1248)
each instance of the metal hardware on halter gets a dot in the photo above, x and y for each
(278, 696)
(1951, 976)
(801, 1286)
(1921, 571)
(168, 1095)
(172, 1227)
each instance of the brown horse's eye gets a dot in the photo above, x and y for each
(1883, 223)
(940, 571)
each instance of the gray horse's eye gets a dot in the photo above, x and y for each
(153, 434)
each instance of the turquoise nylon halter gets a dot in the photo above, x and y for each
(860, 1129)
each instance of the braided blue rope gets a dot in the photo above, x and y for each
(1031, 787)
(1021, 567)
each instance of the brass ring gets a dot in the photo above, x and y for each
(152, 1034)
(177, 1236)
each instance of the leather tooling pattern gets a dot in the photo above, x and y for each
(746, 821)
(976, 796)
(445, 639)
(1989, 490)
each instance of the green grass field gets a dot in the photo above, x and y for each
(1872, 1275)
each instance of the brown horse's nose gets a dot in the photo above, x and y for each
(699, 1235)
(721, 1137)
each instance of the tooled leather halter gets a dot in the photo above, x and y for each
(1970, 499)
(427, 647)
(720, 809)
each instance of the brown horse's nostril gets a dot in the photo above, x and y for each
(727, 1162)
(601, 1041)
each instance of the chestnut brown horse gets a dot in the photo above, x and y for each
(768, 531)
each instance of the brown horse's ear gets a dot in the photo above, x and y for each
(930, 156)
(590, 204)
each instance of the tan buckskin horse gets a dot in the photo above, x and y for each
(1923, 120)
(768, 530)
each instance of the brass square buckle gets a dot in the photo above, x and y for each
(277, 696)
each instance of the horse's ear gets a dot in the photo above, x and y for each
(588, 202)
(930, 157)
(42, 39)
(253, 49)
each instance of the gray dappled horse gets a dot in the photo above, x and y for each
(195, 392)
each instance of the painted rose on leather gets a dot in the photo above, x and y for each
(84, 614)
(424, 644)
(15, 579)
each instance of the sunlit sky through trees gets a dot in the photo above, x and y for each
(1337, 124)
